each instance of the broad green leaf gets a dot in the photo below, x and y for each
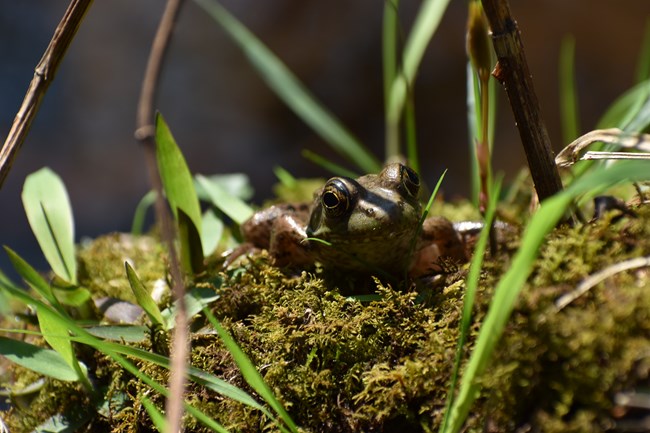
(55, 332)
(70, 294)
(50, 216)
(250, 373)
(143, 297)
(71, 421)
(155, 414)
(232, 206)
(237, 184)
(175, 175)
(31, 277)
(285, 84)
(191, 249)
(511, 284)
(43, 361)
(212, 232)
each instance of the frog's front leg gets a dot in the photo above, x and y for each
(439, 239)
(280, 229)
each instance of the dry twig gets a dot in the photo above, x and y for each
(513, 73)
(571, 154)
(43, 77)
(145, 133)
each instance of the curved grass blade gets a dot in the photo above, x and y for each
(141, 211)
(250, 373)
(511, 284)
(568, 91)
(288, 88)
(49, 214)
(43, 361)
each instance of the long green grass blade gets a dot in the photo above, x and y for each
(568, 93)
(49, 214)
(470, 294)
(508, 288)
(250, 373)
(285, 84)
(643, 66)
(424, 27)
(140, 213)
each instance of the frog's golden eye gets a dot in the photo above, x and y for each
(410, 181)
(336, 198)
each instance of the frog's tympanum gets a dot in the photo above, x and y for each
(369, 225)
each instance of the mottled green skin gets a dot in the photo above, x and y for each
(371, 224)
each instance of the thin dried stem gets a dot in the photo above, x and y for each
(145, 133)
(513, 73)
(43, 77)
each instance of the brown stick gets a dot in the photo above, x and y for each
(43, 77)
(145, 133)
(512, 71)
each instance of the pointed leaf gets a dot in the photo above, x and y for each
(143, 297)
(175, 175)
(212, 232)
(228, 203)
(50, 216)
(191, 249)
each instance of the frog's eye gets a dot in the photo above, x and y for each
(410, 181)
(336, 198)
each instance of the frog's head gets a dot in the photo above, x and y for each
(374, 217)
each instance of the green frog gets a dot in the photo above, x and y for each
(366, 225)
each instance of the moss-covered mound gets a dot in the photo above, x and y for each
(342, 365)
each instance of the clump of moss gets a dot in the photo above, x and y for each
(342, 365)
(560, 370)
(101, 264)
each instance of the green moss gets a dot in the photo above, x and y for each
(101, 264)
(341, 365)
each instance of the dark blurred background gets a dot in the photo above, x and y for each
(226, 120)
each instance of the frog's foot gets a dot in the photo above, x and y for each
(439, 240)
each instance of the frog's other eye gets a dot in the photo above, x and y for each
(336, 198)
(410, 181)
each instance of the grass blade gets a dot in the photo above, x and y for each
(250, 373)
(158, 419)
(288, 88)
(49, 214)
(31, 277)
(141, 211)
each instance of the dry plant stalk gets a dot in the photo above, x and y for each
(513, 73)
(145, 134)
(43, 77)
(631, 140)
